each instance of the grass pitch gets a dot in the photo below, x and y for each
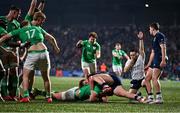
(170, 89)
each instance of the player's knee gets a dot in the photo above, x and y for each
(143, 83)
(154, 78)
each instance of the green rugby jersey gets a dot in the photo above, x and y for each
(3, 25)
(89, 51)
(33, 34)
(13, 26)
(85, 91)
(116, 60)
(28, 18)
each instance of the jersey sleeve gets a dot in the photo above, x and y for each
(161, 39)
(2, 31)
(124, 53)
(98, 47)
(29, 18)
(84, 42)
(43, 31)
(15, 32)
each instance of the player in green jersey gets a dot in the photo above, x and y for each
(29, 17)
(112, 86)
(79, 93)
(118, 56)
(91, 50)
(37, 53)
(9, 23)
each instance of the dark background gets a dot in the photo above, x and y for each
(103, 12)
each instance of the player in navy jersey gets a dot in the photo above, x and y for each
(158, 58)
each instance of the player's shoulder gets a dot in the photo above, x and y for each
(85, 42)
(3, 18)
(97, 44)
(122, 51)
(16, 23)
(114, 50)
(160, 35)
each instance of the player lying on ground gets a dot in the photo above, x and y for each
(80, 93)
(112, 85)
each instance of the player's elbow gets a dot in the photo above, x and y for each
(125, 69)
(98, 55)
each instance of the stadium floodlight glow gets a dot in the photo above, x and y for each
(146, 5)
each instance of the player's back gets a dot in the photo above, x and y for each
(158, 39)
(31, 33)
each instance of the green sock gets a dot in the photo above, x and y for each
(48, 95)
(4, 86)
(26, 93)
(40, 92)
(30, 89)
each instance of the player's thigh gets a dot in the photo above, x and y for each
(93, 67)
(156, 73)
(120, 91)
(149, 74)
(31, 61)
(134, 91)
(43, 62)
(117, 68)
(85, 67)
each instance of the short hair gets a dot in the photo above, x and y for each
(14, 8)
(93, 34)
(39, 15)
(117, 44)
(133, 50)
(155, 25)
(81, 83)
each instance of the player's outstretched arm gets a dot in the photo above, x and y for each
(79, 44)
(41, 5)
(32, 7)
(52, 41)
(141, 43)
(163, 51)
(126, 56)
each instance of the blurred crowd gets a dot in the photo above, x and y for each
(70, 56)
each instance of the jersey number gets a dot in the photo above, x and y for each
(30, 33)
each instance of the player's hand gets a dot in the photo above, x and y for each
(120, 57)
(57, 50)
(79, 45)
(163, 64)
(140, 35)
(146, 67)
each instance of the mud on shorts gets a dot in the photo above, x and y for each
(39, 58)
